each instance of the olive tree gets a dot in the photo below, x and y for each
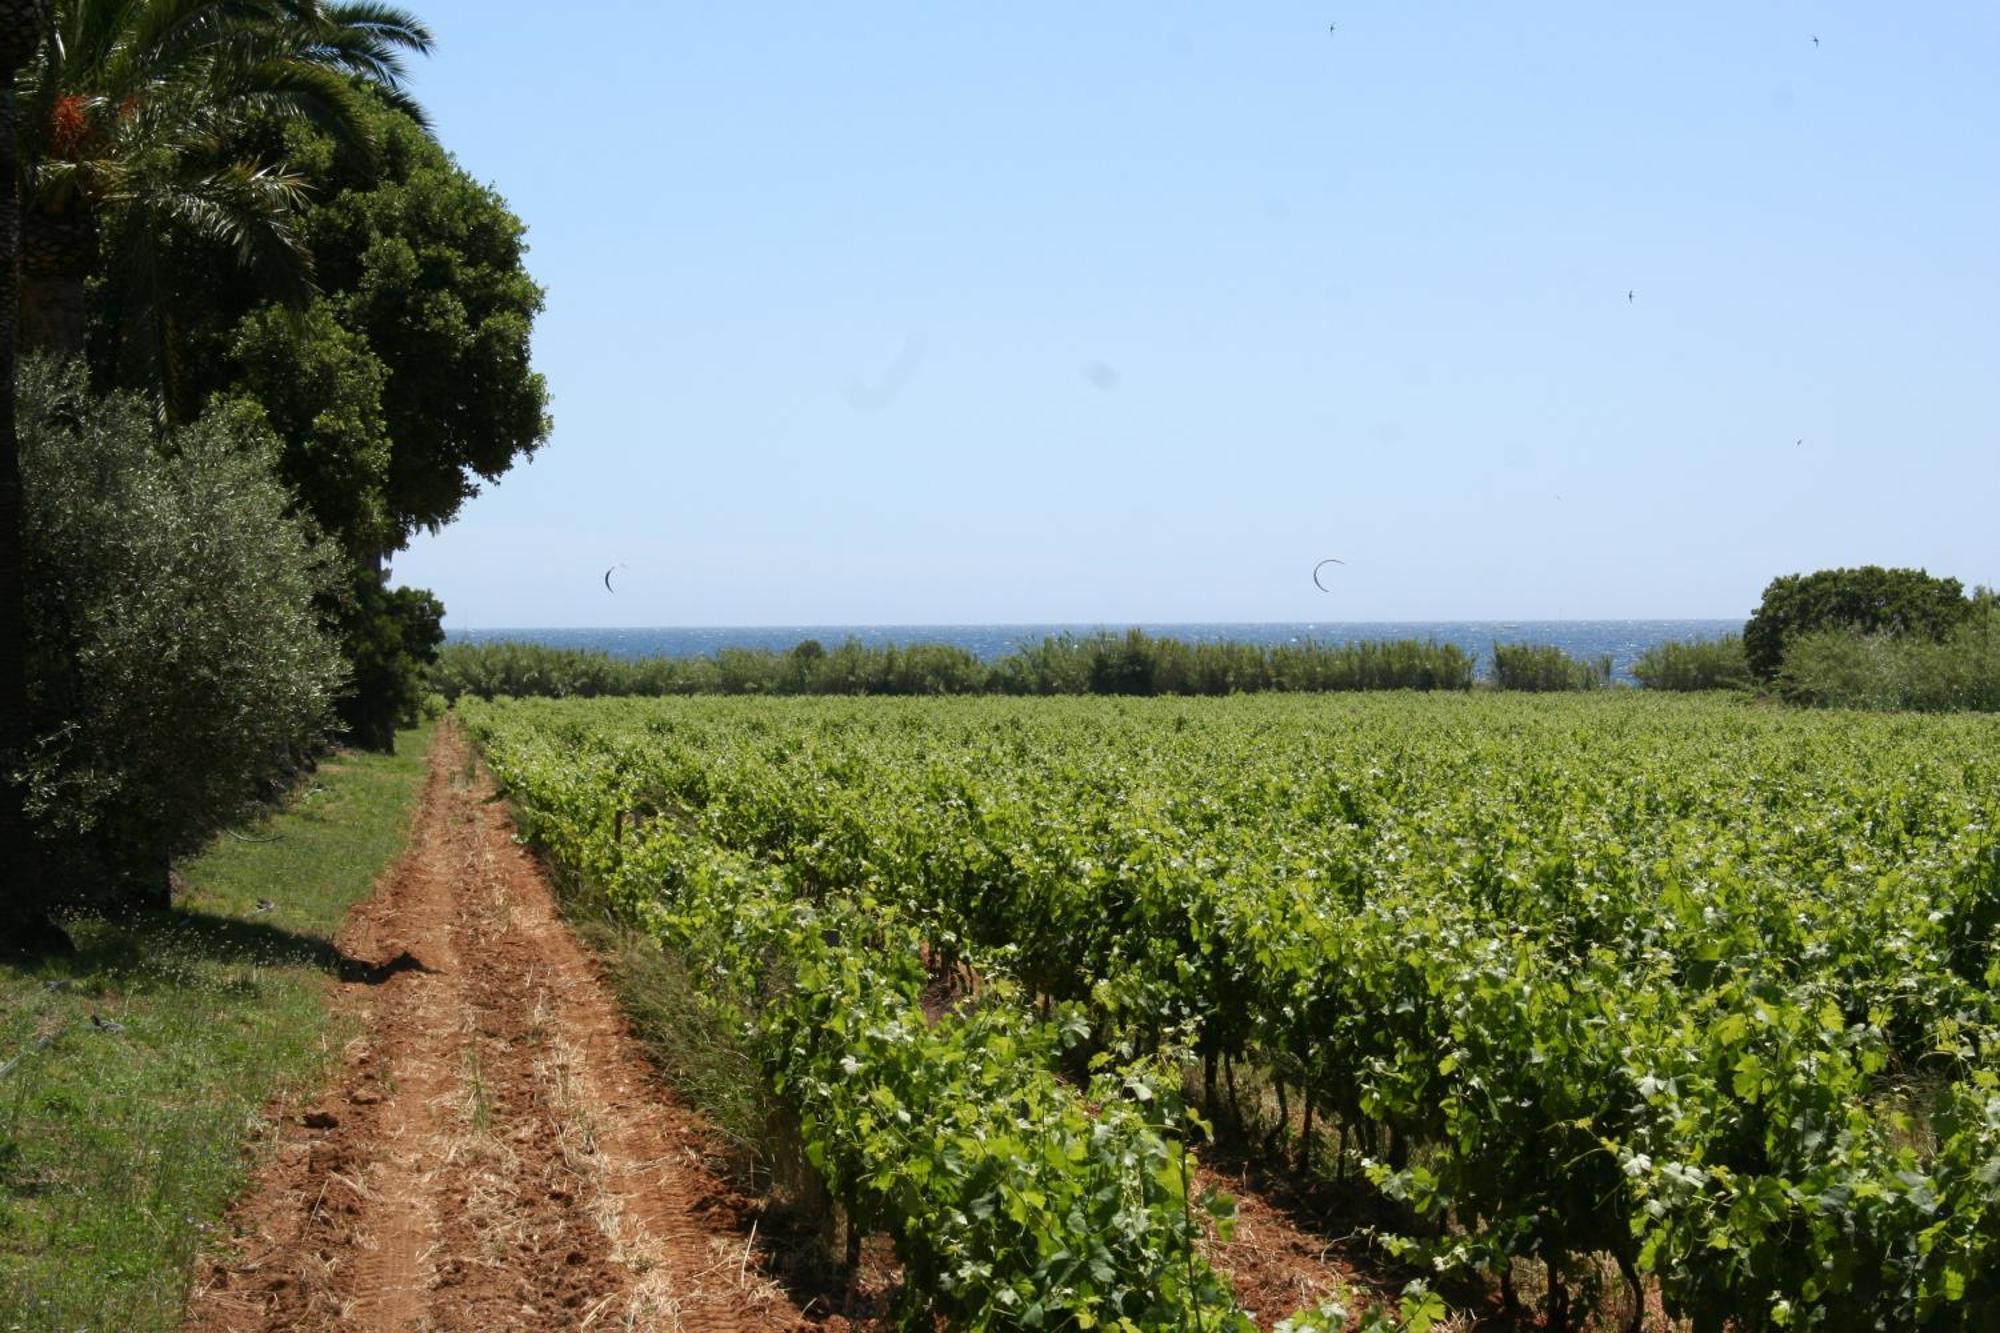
(178, 670)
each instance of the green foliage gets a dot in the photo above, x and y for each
(266, 223)
(177, 669)
(1694, 664)
(389, 636)
(1133, 663)
(134, 133)
(1015, 1199)
(1711, 988)
(320, 387)
(1848, 669)
(424, 265)
(1871, 600)
(402, 384)
(404, 381)
(1543, 667)
(1138, 663)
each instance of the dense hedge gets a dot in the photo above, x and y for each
(1130, 663)
(1843, 668)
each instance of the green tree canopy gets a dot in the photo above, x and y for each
(133, 139)
(319, 385)
(426, 264)
(1870, 599)
(405, 383)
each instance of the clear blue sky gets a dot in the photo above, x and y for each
(1119, 311)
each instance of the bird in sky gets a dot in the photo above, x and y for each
(1331, 26)
(607, 577)
(1815, 41)
(1628, 298)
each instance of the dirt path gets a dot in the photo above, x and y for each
(495, 1153)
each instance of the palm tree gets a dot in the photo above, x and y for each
(24, 921)
(135, 124)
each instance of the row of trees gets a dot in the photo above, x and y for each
(230, 231)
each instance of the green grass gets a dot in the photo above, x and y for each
(121, 1147)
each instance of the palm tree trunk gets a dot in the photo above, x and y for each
(57, 252)
(24, 918)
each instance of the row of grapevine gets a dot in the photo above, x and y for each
(1014, 1198)
(1705, 989)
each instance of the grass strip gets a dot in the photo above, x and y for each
(144, 1061)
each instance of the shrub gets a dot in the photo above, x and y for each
(1870, 600)
(1848, 669)
(1694, 664)
(1058, 665)
(1542, 667)
(1129, 663)
(177, 669)
(1137, 663)
(1384, 664)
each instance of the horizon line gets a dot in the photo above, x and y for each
(1108, 624)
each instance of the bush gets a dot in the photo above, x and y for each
(1542, 667)
(1386, 664)
(1870, 600)
(1137, 663)
(1847, 669)
(177, 669)
(1696, 664)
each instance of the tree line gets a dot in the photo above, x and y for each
(258, 330)
(1866, 637)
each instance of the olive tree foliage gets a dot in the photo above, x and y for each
(178, 669)
(1868, 600)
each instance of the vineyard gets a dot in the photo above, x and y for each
(1607, 999)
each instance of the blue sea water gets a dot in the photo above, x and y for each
(1624, 640)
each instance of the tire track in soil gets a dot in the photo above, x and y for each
(495, 1152)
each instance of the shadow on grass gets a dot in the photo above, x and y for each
(156, 945)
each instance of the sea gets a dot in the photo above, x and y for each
(1624, 640)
